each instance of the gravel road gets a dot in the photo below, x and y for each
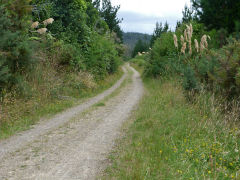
(73, 144)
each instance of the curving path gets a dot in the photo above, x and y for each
(72, 145)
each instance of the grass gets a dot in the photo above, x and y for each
(171, 138)
(21, 114)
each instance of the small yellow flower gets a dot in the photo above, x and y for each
(160, 151)
(209, 172)
(231, 164)
(179, 171)
(232, 176)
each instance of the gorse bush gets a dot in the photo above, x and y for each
(225, 68)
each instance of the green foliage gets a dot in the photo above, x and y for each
(163, 46)
(140, 61)
(160, 61)
(141, 46)
(190, 82)
(187, 15)
(227, 74)
(131, 38)
(15, 49)
(102, 57)
(109, 14)
(171, 138)
(82, 33)
(218, 13)
(68, 55)
(158, 32)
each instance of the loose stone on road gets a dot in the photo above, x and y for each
(79, 148)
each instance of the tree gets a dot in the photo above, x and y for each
(140, 46)
(158, 31)
(187, 15)
(15, 48)
(109, 14)
(217, 13)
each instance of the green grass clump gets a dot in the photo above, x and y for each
(173, 139)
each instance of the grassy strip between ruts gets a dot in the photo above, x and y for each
(171, 138)
(51, 107)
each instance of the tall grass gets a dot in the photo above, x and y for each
(174, 139)
(49, 90)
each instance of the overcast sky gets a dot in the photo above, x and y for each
(142, 15)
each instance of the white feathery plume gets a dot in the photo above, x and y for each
(175, 40)
(35, 25)
(42, 30)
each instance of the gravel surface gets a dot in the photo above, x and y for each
(72, 145)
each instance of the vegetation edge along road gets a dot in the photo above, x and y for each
(20, 140)
(79, 148)
(171, 138)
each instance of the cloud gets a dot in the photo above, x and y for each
(163, 8)
(137, 22)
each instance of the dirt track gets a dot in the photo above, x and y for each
(72, 145)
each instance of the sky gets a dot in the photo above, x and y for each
(142, 15)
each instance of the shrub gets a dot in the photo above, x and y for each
(227, 74)
(190, 82)
(101, 57)
(161, 61)
(15, 49)
(163, 46)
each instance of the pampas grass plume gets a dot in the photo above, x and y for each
(48, 21)
(175, 40)
(182, 39)
(35, 25)
(184, 48)
(196, 45)
(42, 30)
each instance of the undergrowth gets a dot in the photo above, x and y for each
(172, 138)
(52, 90)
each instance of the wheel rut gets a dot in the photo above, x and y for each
(79, 148)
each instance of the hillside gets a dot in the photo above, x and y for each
(131, 38)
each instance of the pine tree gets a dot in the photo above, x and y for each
(158, 31)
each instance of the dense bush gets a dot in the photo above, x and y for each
(226, 68)
(161, 56)
(102, 58)
(215, 68)
(15, 48)
(79, 35)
